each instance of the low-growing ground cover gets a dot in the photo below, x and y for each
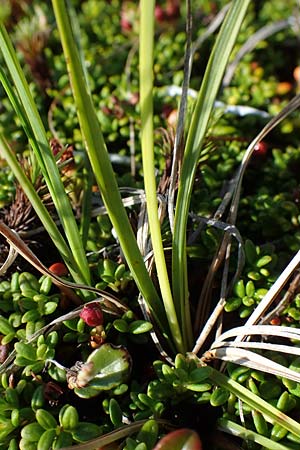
(180, 312)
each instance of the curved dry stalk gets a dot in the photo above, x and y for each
(238, 352)
(252, 360)
(283, 114)
(115, 435)
(201, 313)
(259, 346)
(287, 298)
(205, 292)
(51, 326)
(260, 35)
(220, 254)
(137, 197)
(16, 242)
(272, 293)
(209, 30)
(12, 254)
(154, 333)
(261, 330)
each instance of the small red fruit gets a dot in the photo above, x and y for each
(275, 321)
(125, 24)
(173, 9)
(261, 148)
(92, 315)
(166, 110)
(59, 269)
(296, 74)
(159, 13)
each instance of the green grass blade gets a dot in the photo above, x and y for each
(249, 435)
(255, 402)
(197, 131)
(102, 168)
(23, 119)
(86, 208)
(146, 102)
(45, 158)
(37, 204)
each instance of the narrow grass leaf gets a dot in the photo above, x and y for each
(146, 102)
(200, 119)
(37, 204)
(249, 435)
(45, 158)
(101, 165)
(271, 414)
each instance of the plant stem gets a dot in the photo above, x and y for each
(100, 163)
(38, 205)
(255, 402)
(146, 102)
(29, 116)
(249, 435)
(196, 134)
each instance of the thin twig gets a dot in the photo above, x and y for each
(287, 298)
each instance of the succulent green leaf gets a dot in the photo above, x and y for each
(6, 427)
(219, 396)
(64, 439)
(139, 327)
(32, 432)
(27, 351)
(148, 433)
(86, 431)
(110, 367)
(68, 417)
(115, 412)
(45, 419)
(200, 374)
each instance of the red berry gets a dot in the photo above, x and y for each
(166, 110)
(261, 148)
(92, 315)
(159, 13)
(173, 9)
(59, 269)
(134, 98)
(275, 321)
(125, 24)
(296, 74)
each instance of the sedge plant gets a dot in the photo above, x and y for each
(169, 306)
